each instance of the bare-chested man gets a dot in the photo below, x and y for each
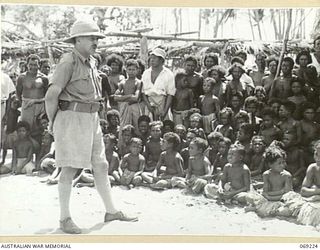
(31, 89)
(281, 87)
(195, 79)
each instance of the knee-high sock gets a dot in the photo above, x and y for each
(103, 187)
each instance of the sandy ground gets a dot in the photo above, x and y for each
(29, 207)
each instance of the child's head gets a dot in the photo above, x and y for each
(197, 146)
(241, 118)
(241, 54)
(113, 117)
(181, 80)
(171, 141)
(168, 126)
(275, 158)
(316, 154)
(289, 139)
(43, 121)
(190, 64)
(132, 67)
(181, 131)
(224, 145)
(251, 104)
(127, 133)
(135, 145)
(23, 129)
(237, 100)
(143, 124)
(155, 129)
(260, 93)
(210, 59)
(103, 125)
(303, 58)
(245, 132)
(287, 65)
(208, 85)
(261, 60)
(286, 109)
(14, 102)
(236, 70)
(195, 120)
(191, 134)
(236, 153)
(268, 116)
(115, 62)
(110, 141)
(258, 144)
(297, 86)
(217, 72)
(308, 111)
(275, 104)
(272, 64)
(47, 138)
(226, 116)
(214, 138)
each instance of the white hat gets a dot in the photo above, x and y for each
(84, 28)
(159, 52)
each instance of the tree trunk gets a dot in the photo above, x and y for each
(275, 28)
(251, 26)
(216, 27)
(199, 25)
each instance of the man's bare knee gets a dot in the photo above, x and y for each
(67, 174)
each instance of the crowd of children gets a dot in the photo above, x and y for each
(238, 136)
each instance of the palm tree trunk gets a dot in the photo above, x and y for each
(251, 26)
(199, 24)
(275, 28)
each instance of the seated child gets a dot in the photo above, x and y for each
(213, 149)
(124, 143)
(295, 159)
(182, 132)
(225, 124)
(244, 138)
(170, 160)
(209, 105)
(251, 105)
(256, 165)
(311, 183)
(144, 128)
(268, 129)
(45, 148)
(168, 126)
(113, 119)
(191, 134)
(103, 126)
(195, 122)
(152, 151)
(23, 151)
(235, 181)
(132, 164)
(199, 170)
(222, 155)
(110, 142)
(240, 118)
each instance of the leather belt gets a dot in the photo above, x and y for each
(84, 107)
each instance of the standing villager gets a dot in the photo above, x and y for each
(72, 103)
(158, 86)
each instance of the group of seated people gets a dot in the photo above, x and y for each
(237, 136)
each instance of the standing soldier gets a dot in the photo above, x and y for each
(72, 103)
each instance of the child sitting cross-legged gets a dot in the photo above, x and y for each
(235, 181)
(132, 164)
(199, 170)
(170, 162)
(23, 151)
(110, 142)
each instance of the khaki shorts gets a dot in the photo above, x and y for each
(78, 140)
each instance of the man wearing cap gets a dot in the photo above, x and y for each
(72, 103)
(158, 86)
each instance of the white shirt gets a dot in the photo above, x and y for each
(164, 84)
(7, 86)
(315, 63)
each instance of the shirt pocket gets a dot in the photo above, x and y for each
(81, 84)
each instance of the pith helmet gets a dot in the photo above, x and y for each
(84, 28)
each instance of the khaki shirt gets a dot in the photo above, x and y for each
(78, 78)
